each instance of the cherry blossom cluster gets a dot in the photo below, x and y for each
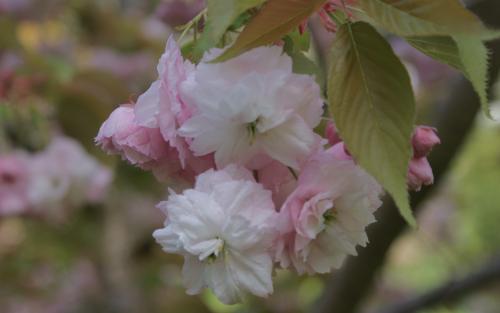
(47, 182)
(267, 191)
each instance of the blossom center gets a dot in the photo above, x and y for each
(252, 130)
(330, 212)
(217, 249)
(330, 216)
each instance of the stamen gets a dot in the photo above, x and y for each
(252, 130)
(330, 215)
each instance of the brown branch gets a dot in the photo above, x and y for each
(454, 118)
(452, 291)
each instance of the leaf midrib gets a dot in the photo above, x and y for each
(363, 75)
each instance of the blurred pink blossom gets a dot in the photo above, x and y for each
(424, 71)
(125, 66)
(178, 12)
(14, 6)
(14, 177)
(63, 175)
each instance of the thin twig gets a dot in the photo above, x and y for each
(451, 291)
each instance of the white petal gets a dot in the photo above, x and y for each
(290, 143)
(252, 271)
(192, 275)
(235, 149)
(220, 279)
(195, 217)
(168, 239)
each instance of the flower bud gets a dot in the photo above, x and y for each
(424, 139)
(419, 173)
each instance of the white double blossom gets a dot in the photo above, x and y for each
(250, 106)
(224, 228)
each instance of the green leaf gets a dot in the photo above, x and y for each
(301, 42)
(474, 56)
(440, 48)
(371, 100)
(444, 29)
(296, 46)
(275, 19)
(220, 15)
(421, 17)
(467, 54)
(303, 65)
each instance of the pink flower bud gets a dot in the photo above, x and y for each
(419, 173)
(424, 139)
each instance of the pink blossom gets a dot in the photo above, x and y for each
(424, 139)
(332, 134)
(120, 134)
(340, 151)
(161, 106)
(13, 184)
(141, 146)
(324, 219)
(146, 147)
(279, 179)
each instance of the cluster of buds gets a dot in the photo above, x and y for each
(419, 171)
